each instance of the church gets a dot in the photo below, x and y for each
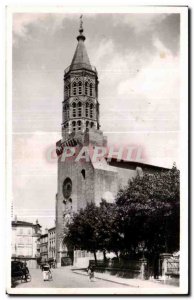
(82, 181)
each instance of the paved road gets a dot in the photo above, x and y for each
(65, 278)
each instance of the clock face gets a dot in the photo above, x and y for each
(67, 188)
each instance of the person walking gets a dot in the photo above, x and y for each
(91, 272)
(46, 272)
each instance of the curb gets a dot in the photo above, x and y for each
(105, 279)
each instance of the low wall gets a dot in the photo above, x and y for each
(82, 258)
(125, 269)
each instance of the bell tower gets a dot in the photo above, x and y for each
(80, 103)
(79, 181)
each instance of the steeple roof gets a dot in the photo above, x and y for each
(80, 59)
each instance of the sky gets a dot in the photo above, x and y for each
(137, 57)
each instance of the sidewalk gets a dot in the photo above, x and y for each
(136, 283)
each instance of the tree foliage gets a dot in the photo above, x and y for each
(94, 228)
(82, 233)
(149, 212)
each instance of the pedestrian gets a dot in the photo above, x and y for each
(91, 272)
(50, 275)
(55, 264)
(46, 272)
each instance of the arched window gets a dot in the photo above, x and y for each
(74, 88)
(79, 109)
(68, 111)
(87, 109)
(91, 89)
(92, 124)
(91, 110)
(87, 125)
(74, 109)
(67, 90)
(66, 126)
(79, 125)
(86, 88)
(65, 111)
(74, 125)
(79, 87)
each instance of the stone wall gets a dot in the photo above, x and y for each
(82, 190)
(105, 181)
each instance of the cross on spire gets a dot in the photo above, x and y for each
(81, 22)
(81, 36)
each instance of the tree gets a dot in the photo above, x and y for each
(95, 229)
(82, 231)
(108, 228)
(148, 209)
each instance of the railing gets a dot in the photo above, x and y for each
(173, 266)
(80, 66)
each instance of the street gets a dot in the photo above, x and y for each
(65, 278)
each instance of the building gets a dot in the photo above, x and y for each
(51, 244)
(46, 246)
(38, 250)
(80, 182)
(43, 242)
(24, 241)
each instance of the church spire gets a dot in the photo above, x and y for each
(80, 59)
